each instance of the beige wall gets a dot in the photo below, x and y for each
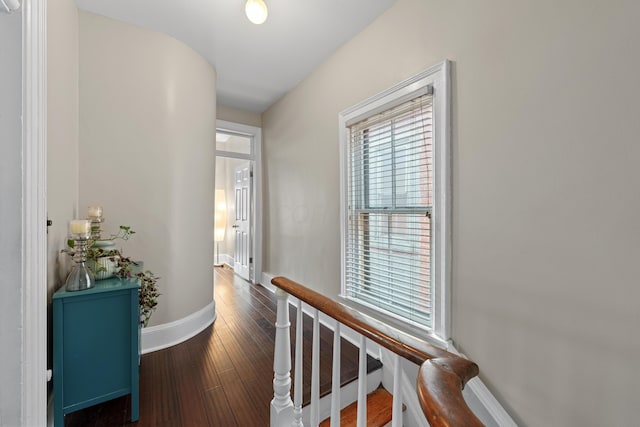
(238, 116)
(62, 133)
(62, 143)
(545, 189)
(147, 153)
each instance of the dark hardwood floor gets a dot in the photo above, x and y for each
(222, 376)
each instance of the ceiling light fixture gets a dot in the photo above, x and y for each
(10, 5)
(256, 11)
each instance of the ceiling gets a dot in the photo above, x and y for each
(255, 64)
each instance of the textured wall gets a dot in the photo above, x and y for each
(147, 155)
(545, 189)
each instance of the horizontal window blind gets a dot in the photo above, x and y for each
(390, 196)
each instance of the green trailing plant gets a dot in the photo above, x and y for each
(148, 295)
(125, 268)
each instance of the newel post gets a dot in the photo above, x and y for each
(281, 405)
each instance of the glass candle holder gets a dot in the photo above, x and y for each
(94, 213)
(80, 277)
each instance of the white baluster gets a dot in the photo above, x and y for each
(315, 372)
(281, 405)
(335, 380)
(362, 384)
(297, 389)
(396, 420)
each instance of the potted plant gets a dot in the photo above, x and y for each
(102, 257)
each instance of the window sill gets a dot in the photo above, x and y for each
(426, 334)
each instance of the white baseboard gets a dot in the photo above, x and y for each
(479, 398)
(169, 334)
(224, 259)
(266, 281)
(484, 404)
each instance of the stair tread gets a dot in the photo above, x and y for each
(373, 365)
(379, 410)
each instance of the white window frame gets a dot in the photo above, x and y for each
(436, 78)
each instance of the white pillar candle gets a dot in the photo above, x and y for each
(94, 212)
(80, 226)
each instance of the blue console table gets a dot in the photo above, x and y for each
(96, 346)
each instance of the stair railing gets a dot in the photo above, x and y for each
(441, 376)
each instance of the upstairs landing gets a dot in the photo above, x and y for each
(222, 376)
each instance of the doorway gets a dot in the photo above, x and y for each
(238, 200)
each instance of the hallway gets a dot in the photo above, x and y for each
(222, 376)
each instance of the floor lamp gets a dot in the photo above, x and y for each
(220, 222)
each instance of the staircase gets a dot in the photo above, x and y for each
(348, 364)
(348, 392)
(379, 400)
(379, 411)
(348, 370)
(441, 374)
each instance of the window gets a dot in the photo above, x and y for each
(395, 202)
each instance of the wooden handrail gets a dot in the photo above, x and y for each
(442, 375)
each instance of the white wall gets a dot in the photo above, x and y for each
(147, 132)
(10, 217)
(545, 189)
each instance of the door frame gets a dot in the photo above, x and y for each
(34, 213)
(255, 133)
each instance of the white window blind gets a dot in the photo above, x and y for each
(390, 199)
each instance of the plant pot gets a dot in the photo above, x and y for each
(104, 267)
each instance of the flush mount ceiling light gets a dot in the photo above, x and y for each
(256, 11)
(13, 5)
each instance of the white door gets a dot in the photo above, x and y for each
(242, 225)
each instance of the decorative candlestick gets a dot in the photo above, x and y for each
(80, 277)
(95, 216)
(103, 267)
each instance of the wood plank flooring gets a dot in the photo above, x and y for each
(222, 376)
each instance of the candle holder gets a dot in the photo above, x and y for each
(80, 277)
(96, 218)
(106, 266)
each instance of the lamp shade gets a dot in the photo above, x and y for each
(220, 217)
